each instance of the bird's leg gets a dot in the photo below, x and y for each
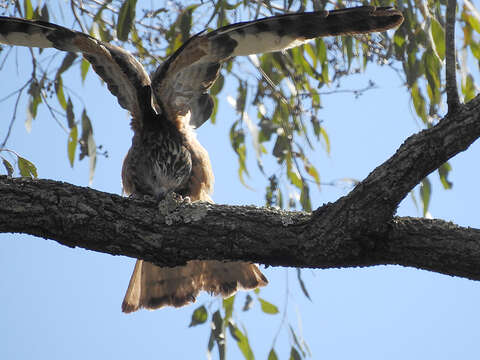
(135, 196)
(169, 203)
(177, 198)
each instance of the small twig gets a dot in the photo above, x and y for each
(450, 58)
(52, 112)
(116, 11)
(74, 11)
(356, 92)
(272, 6)
(14, 116)
(6, 57)
(16, 91)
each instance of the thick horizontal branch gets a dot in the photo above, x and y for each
(356, 230)
(169, 235)
(435, 245)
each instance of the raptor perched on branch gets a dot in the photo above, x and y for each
(165, 155)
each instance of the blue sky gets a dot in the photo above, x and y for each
(62, 303)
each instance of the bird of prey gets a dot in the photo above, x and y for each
(165, 155)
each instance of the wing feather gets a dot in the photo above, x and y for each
(181, 84)
(124, 75)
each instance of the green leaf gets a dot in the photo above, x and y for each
(59, 92)
(242, 341)
(292, 173)
(272, 355)
(126, 17)
(248, 303)
(185, 23)
(217, 85)
(414, 199)
(237, 140)
(438, 35)
(443, 172)
(347, 43)
(44, 15)
(27, 5)
(305, 200)
(218, 333)
(297, 343)
(213, 117)
(419, 103)
(35, 99)
(432, 72)
(280, 149)
(268, 308)
(66, 63)
(72, 144)
(70, 114)
(425, 193)
(321, 50)
(475, 48)
(311, 53)
(27, 169)
(312, 171)
(294, 354)
(199, 316)
(137, 41)
(468, 88)
(241, 97)
(228, 306)
(302, 284)
(399, 42)
(87, 144)
(8, 166)
(474, 23)
(325, 137)
(85, 65)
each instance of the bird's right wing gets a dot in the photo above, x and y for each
(125, 76)
(181, 84)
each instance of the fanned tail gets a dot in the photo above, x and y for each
(153, 287)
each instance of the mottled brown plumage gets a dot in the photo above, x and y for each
(165, 155)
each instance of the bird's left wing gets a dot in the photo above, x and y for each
(181, 84)
(124, 75)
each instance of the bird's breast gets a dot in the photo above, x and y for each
(158, 164)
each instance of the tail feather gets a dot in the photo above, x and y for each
(154, 287)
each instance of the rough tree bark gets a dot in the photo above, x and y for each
(359, 229)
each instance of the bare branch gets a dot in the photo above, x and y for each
(450, 58)
(357, 230)
(418, 156)
(14, 115)
(94, 220)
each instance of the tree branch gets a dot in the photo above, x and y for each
(357, 230)
(450, 58)
(83, 217)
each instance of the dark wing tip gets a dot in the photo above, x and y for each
(363, 19)
(388, 16)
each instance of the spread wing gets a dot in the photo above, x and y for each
(125, 76)
(181, 84)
